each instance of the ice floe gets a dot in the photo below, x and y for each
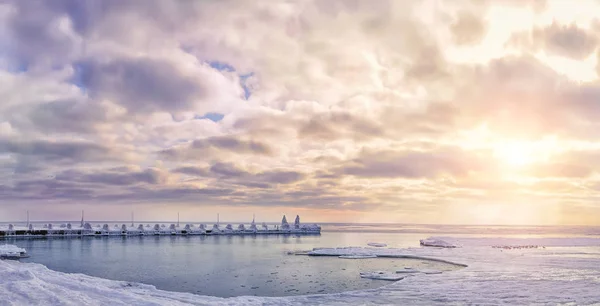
(407, 271)
(382, 275)
(11, 251)
(377, 244)
(357, 256)
(434, 242)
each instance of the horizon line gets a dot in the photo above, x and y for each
(331, 223)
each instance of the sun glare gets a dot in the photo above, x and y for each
(514, 154)
(523, 153)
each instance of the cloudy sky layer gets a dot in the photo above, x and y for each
(483, 112)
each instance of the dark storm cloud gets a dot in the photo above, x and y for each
(232, 196)
(129, 186)
(45, 189)
(148, 176)
(197, 195)
(142, 85)
(239, 176)
(65, 151)
(201, 149)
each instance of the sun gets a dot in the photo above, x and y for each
(524, 153)
(515, 153)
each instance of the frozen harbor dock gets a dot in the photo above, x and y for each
(89, 230)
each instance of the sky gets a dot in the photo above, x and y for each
(455, 112)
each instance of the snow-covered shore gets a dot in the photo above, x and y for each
(548, 276)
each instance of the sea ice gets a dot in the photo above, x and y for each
(538, 276)
(357, 256)
(8, 249)
(382, 275)
(407, 271)
(434, 242)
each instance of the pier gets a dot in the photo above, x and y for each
(87, 230)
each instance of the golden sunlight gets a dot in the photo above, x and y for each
(515, 153)
(523, 153)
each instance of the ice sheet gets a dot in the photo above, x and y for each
(7, 249)
(493, 276)
(382, 275)
(357, 256)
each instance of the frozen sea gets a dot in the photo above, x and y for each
(566, 270)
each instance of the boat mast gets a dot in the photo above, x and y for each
(82, 218)
(28, 218)
(177, 219)
(132, 219)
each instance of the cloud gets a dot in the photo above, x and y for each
(280, 177)
(49, 151)
(468, 28)
(392, 109)
(150, 176)
(519, 96)
(240, 176)
(40, 37)
(201, 148)
(145, 85)
(410, 164)
(334, 125)
(65, 116)
(190, 170)
(44, 189)
(563, 171)
(567, 40)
